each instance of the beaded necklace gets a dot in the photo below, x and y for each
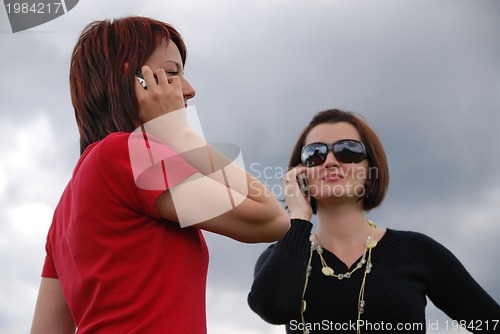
(328, 271)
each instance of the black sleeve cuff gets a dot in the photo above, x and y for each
(297, 237)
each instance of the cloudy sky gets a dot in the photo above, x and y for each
(424, 73)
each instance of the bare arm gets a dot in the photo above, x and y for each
(254, 215)
(259, 217)
(52, 314)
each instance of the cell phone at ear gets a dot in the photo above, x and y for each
(303, 185)
(140, 77)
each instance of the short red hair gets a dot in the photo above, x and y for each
(105, 59)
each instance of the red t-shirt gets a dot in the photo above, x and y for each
(123, 269)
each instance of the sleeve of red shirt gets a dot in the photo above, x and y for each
(154, 165)
(49, 269)
(142, 169)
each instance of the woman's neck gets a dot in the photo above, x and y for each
(342, 226)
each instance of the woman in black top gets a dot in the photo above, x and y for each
(351, 276)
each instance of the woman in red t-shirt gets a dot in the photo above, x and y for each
(125, 252)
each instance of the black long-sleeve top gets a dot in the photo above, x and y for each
(407, 268)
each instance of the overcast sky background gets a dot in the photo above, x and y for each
(425, 74)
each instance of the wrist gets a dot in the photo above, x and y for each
(174, 130)
(166, 123)
(301, 215)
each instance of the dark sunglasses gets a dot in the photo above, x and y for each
(345, 150)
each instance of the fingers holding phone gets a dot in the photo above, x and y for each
(303, 184)
(297, 193)
(141, 79)
(157, 94)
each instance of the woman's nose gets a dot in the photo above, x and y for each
(330, 160)
(188, 91)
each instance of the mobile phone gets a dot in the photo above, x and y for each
(303, 185)
(140, 77)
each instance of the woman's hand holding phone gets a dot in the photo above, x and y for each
(162, 95)
(297, 193)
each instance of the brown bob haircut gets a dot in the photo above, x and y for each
(105, 59)
(377, 161)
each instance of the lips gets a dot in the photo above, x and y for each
(333, 177)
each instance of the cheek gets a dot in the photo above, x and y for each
(312, 174)
(356, 173)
